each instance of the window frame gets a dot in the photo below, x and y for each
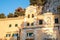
(58, 9)
(8, 35)
(32, 15)
(29, 34)
(28, 15)
(32, 24)
(10, 25)
(15, 35)
(16, 25)
(40, 22)
(28, 24)
(56, 20)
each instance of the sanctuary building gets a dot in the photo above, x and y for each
(35, 25)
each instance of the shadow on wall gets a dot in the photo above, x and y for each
(22, 25)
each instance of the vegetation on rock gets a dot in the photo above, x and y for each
(2, 15)
(37, 2)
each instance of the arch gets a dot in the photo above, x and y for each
(32, 15)
(32, 24)
(28, 15)
(28, 24)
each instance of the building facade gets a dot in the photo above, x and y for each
(33, 26)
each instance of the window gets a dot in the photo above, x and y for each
(56, 20)
(10, 25)
(32, 24)
(15, 35)
(7, 35)
(32, 15)
(16, 25)
(40, 22)
(57, 27)
(29, 34)
(28, 16)
(58, 9)
(27, 24)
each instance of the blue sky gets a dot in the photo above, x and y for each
(9, 6)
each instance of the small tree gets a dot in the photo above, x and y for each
(32, 2)
(10, 15)
(41, 2)
(16, 14)
(37, 2)
(2, 15)
(19, 12)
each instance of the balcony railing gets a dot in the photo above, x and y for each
(30, 37)
(57, 24)
(35, 26)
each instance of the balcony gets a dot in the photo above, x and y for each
(57, 24)
(35, 26)
(30, 37)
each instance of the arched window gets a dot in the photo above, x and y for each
(10, 25)
(16, 25)
(28, 16)
(28, 24)
(32, 15)
(32, 24)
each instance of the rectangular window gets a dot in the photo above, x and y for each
(28, 24)
(40, 22)
(15, 35)
(29, 34)
(57, 27)
(7, 35)
(58, 9)
(56, 20)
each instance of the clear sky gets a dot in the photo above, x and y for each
(9, 6)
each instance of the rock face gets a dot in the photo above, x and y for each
(51, 5)
(38, 2)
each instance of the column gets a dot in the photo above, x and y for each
(24, 22)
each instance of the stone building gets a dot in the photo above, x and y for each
(43, 26)
(32, 26)
(35, 25)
